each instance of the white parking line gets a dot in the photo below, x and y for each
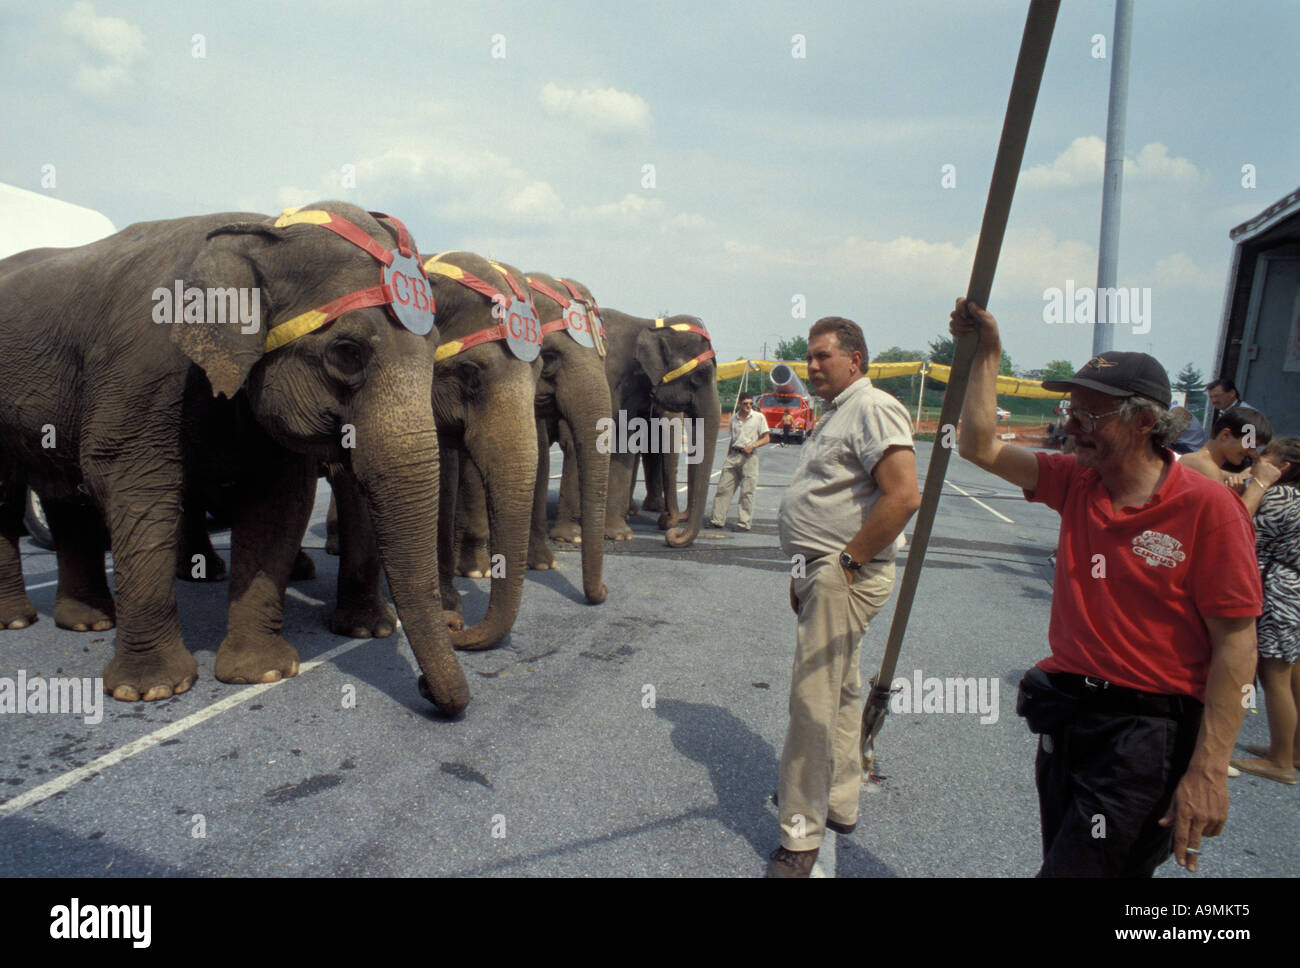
(74, 776)
(47, 584)
(996, 514)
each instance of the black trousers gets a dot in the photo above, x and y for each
(1105, 778)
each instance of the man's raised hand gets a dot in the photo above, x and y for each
(967, 315)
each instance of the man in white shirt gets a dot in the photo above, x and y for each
(748, 433)
(840, 522)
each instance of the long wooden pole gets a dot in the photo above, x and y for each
(1034, 45)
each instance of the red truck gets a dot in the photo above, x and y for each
(787, 408)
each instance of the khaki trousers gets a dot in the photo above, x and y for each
(821, 765)
(738, 467)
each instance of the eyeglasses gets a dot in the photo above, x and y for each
(1086, 419)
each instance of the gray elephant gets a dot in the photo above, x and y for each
(572, 393)
(302, 337)
(656, 368)
(485, 362)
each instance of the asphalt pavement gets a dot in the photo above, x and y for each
(635, 738)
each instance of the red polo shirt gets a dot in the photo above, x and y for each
(1133, 587)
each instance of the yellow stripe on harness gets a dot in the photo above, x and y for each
(444, 269)
(446, 350)
(298, 326)
(679, 327)
(684, 368)
(299, 216)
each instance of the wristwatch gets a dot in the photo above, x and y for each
(847, 562)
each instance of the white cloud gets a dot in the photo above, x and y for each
(630, 208)
(106, 49)
(1084, 163)
(1181, 271)
(1154, 163)
(604, 110)
(688, 220)
(1031, 260)
(536, 199)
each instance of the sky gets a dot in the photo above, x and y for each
(757, 164)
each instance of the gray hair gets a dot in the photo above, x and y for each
(1166, 429)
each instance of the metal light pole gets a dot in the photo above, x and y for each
(1113, 180)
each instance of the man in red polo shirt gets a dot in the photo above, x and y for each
(1152, 630)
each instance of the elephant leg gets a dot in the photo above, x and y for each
(197, 560)
(332, 526)
(672, 514)
(16, 609)
(270, 518)
(654, 495)
(568, 515)
(621, 469)
(361, 611)
(304, 569)
(472, 559)
(83, 602)
(150, 661)
(449, 460)
(539, 552)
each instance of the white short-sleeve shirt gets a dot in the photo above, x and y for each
(832, 491)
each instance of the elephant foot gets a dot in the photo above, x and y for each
(304, 569)
(247, 659)
(617, 531)
(597, 597)
(363, 620)
(17, 613)
(474, 561)
(150, 676)
(651, 504)
(539, 554)
(567, 531)
(210, 567)
(91, 615)
(635, 508)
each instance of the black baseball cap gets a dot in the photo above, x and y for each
(1120, 375)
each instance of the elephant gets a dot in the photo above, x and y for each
(121, 386)
(657, 367)
(483, 410)
(571, 391)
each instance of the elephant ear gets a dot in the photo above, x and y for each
(228, 260)
(652, 353)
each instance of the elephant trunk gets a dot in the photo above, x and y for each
(707, 407)
(593, 479)
(399, 474)
(504, 446)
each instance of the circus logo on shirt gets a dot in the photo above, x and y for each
(1158, 549)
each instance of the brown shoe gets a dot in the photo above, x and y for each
(792, 863)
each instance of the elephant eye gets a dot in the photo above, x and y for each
(346, 358)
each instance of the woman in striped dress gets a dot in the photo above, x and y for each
(1277, 544)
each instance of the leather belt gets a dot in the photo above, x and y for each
(1097, 693)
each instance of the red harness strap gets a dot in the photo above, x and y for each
(379, 295)
(548, 292)
(499, 330)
